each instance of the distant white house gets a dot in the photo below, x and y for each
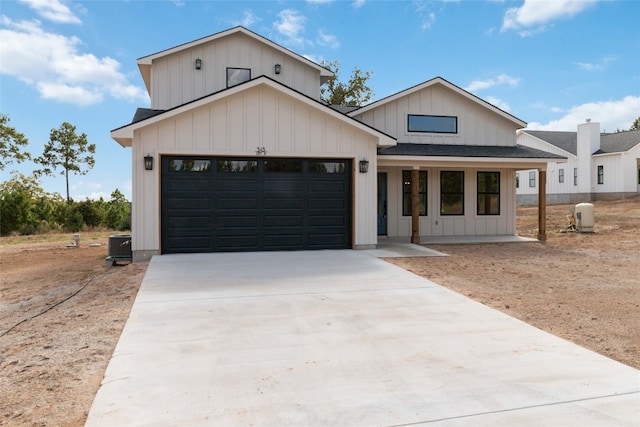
(599, 166)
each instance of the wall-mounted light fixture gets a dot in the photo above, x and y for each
(277, 68)
(198, 63)
(148, 162)
(364, 166)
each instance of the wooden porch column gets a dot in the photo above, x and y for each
(415, 210)
(542, 205)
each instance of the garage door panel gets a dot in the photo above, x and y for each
(326, 241)
(283, 242)
(328, 187)
(277, 204)
(283, 221)
(248, 221)
(189, 244)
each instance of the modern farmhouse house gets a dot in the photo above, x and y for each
(600, 166)
(239, 153)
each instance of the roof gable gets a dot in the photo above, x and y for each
(124, 135)
(442, 82)
(144, 63)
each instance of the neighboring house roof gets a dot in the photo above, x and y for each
(144, 116)
(440, 150)
(609, 142)
(144, 63)
(440, 81)
(618, 142)
(567, 141)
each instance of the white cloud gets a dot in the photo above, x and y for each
(597, 66)
(248, 19)
(53, 10)
(428, 21)
(358, 3)
(498, 103)
(612, 115)
(502, 79)
(320, 1)
(328, 40)
(53, 65)
(534, 15)
(291, 25)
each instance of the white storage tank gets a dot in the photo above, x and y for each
(585, 217)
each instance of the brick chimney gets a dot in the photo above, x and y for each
(588, 143)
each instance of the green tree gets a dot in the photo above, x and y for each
(17, 197)
(636, 124)
(353, 93)
(68, 151)
(11, 142)
(118, 215)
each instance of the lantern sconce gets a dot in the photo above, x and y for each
(148, 162)
(198, 63)
(277, 68)
(364, 166)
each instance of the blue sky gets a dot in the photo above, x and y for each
(550, 63)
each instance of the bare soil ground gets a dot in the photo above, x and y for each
(62, 310)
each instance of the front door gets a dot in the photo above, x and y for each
(382, 203)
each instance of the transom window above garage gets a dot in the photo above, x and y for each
(432, 124)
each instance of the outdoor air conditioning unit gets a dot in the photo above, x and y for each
(119, 248)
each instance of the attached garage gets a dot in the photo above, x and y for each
(225, 204)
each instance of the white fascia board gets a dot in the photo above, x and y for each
(124, 135)
(439, 80)
(144, 63)
(466, 162)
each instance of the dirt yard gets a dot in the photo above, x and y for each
(63, 309)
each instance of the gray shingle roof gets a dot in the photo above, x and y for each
(609, 142)
(618, 142)
(515, 152)
(567, 141)
(144, 113)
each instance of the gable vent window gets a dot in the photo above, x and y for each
(432, 124)
(235, 76)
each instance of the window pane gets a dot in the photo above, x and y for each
(237, 166)
(189, 165)
(283, 165)
(406, 193)
(435, 124)
(452, 193)
(451, 204)
(327, 167)
(235, 76)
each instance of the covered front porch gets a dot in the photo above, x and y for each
(424, 197)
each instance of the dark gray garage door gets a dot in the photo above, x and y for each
(213, 204)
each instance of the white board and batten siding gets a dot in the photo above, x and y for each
(434, 224)
(236, 125)
(476, 125)
(175, 81)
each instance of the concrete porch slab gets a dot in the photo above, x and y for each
(341, 338)
(455, 240)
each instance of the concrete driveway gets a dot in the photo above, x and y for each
(329, 338)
